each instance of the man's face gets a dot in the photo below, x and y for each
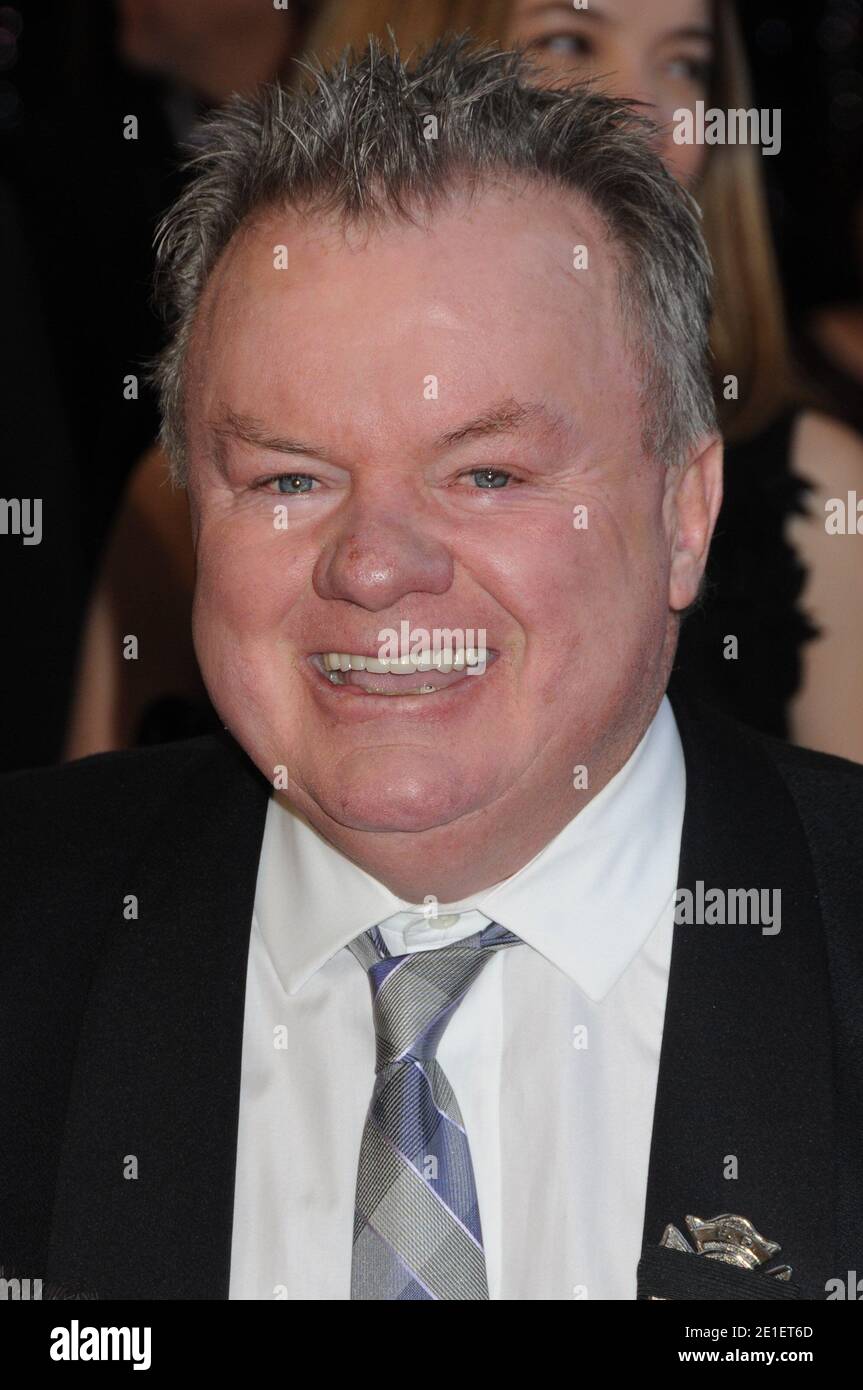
(350, 368)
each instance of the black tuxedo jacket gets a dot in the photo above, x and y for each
(123, 1037)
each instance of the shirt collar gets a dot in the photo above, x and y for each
(587, 901)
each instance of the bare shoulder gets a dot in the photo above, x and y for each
(828, 453)
(826, 713)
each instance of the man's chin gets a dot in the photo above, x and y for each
(391, 821)
(407, 791)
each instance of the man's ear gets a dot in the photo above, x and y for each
(692, 501)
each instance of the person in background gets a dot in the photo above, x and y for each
(776, 579)
(777, 584)
(209, 49)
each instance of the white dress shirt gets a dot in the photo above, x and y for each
(553, 1054)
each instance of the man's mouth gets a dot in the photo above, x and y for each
(404, 676)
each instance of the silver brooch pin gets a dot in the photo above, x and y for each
(731, 1239)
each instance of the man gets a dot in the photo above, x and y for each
(463, 967)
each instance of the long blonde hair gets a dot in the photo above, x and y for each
(749, 336)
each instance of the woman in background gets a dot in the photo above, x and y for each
(776, 578)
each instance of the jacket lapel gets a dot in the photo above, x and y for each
(746, 1074)
(145, 1187)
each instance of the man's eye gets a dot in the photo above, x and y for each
(293, 483)
(488, 477)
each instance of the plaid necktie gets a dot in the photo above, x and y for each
(416, 1223)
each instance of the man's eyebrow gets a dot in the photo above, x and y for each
(233, 424)
(504, 417)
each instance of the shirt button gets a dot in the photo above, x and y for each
(449, 919)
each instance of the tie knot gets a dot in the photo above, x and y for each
(415, 996)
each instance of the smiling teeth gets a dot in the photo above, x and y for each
(345, 661)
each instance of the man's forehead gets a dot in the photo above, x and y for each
(549, 223)
(505, 342)
(493, 280)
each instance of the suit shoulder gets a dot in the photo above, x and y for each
(107, 774)
(74, 836)
(94, 808)
(828, 791)
(813, 779)
(828, 796)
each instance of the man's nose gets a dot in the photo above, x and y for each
(377, 563)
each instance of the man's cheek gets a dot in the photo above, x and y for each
(237, 673)
(232, 591)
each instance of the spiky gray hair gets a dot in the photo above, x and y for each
(352, 144)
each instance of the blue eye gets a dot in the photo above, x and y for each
(288, 482)
(489, 477)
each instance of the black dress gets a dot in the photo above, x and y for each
(752, 592)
